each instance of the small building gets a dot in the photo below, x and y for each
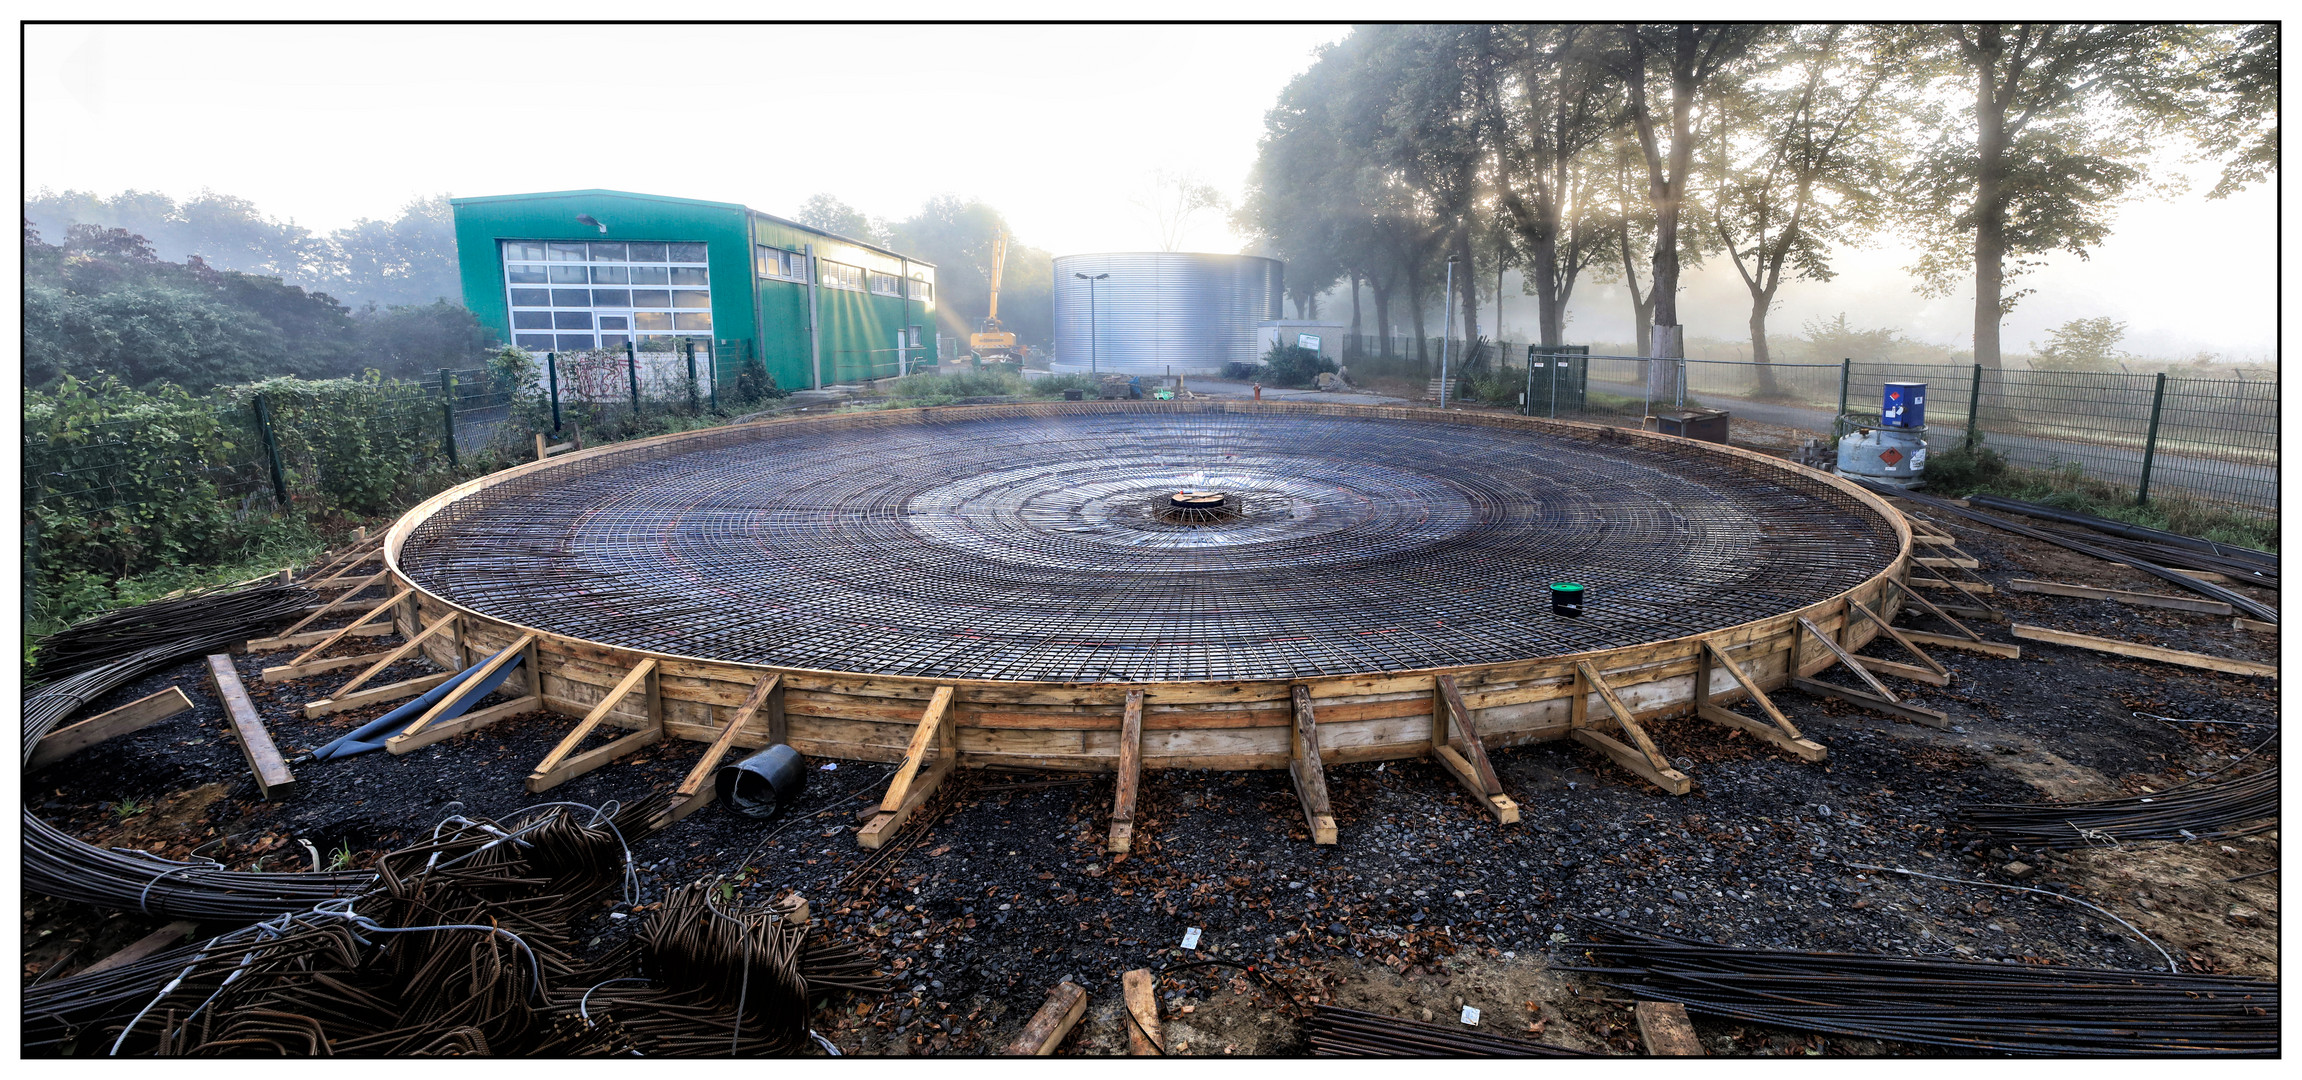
(572, 271)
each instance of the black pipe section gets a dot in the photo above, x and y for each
(2267, 560)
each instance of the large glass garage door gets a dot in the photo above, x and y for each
(573, 296)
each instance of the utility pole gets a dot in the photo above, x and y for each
(1447, 329)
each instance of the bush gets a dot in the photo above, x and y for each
(1962, 469)
(1053, 386)
(361, 445)
(1241, 370)
(753, 384)
(938, 389)
(1294, 366)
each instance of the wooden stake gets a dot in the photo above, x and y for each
(1309, 773)
(549, 774)
(2144, 652)
(1047, 1027)
(1142, 1012)
(912, 784)
(1130, 776)
(1455, 743)
(697, 790)
(1782, 733)
(1664, 1028)
(247, 727)
(339, 635)
(1647, 761)
(396, 655)
(134, 716)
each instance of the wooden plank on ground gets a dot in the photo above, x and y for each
(1935, 672)
(247, 727)
(1655, 767)
(147, 945)
(2123, 596)
(480, 675)
(338, 602)
(1463, 755)
(471, 721)
(1968, 587)
(1130, 777)
(915, 779)
(1975, 645)
(1782, 733)
(1960, 562)
(1045, 1030)
(2144, 652)
(1845, 658)
(292, 641)
(1309, 772)
(1915, 713)
(134, 716)
(309, 668)
(1664, 1028)
(405, 688)
(1142, 1013)
(2254, 625)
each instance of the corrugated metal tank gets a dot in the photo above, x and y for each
(1162, 310)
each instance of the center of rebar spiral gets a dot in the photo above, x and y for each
(1200, 507)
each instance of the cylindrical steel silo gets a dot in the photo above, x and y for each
(1162, 310)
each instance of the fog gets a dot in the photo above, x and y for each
(1060, 128)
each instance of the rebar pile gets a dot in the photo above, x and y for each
(2171, 549)
(2195, 811)
(1958, 1005)
(197, 622)
(465, 947)
(1033, 543)
(1338, 1032)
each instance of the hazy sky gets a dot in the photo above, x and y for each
(1058, 127)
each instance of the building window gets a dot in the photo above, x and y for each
(922, 290)
(833, 275)
(778, 263)
(885, 285)
(679, 304)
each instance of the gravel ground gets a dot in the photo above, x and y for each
(1002, 888)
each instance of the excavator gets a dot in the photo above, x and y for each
(991, 341)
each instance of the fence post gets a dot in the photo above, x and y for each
(631, 364)
(271, 450)
(2150, 441)
(1845, 373)
(1973, 407)
(552, 369)
(691, 392)
(448, 409)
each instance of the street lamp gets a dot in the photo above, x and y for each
(1093, 367)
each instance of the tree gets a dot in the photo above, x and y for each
(408, 340)
(825, 211)
(1431, 133)
(408, 260)
(1620, 204)
(956, 235)
(2081, 345)
(1546, 141)
(2062, 116)
(1691, 58)
(1168, 202)
(1800, 162)
(2242, 120)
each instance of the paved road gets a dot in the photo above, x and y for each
(1228, 389)
(2224, 481)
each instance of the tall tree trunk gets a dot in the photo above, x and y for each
(1382, 316)
(1467, 284)
(1989, 210)
(1642, 307)
(1354, 309)
(1549, 306)
(1499, 268)
(1759, 303)
(1418, 299)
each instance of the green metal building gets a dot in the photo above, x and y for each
(566, 271)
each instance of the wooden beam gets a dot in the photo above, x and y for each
(247, 727)
(2123, 596)
(916, 779)
(1142, 1013)
(1782, 733)
(1967, 587)
(291, 641)
(333, 579)
(591, 759)
(697, 789)
(134, 716)
(1130, 779)
(2144, 652)
(1844, 657)
(1462, 754)
(332, 605)
(471, 721)
(484, 672)
(1912, 672)
(1309, 772)
(1665, 1030)
(1959, 562)
(1932, 609)
(1045, 1030)
(286, 672)
(397, 655)
(544, 777)
(1934, 670)
(1977, 645)
(341, 634)
(1651, 763)
(1915, 713)
(405, 688)
(2254, 625)
(145, 946)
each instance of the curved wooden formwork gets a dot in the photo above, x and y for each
(1455, 714)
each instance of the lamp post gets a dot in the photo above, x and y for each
(1446, 328)
(1094, 367)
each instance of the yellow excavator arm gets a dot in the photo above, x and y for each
(993, 339)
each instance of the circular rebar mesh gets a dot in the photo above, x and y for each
(992, 545)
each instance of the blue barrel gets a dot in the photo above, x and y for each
(1903, 405)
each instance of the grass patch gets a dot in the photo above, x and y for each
(1960, 471)
(81, 595)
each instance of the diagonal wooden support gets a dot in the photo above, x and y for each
(430, 728)
(1646, 760)
(286, 672)
(1912, 595)
(1781, 733)
(1461, 754)
(1936, 579)
(1310, 774)
(1929, 672)
(397, 655)
(1130, 776)
(329, 642)
(1880, 699)
(134, 716)
(357, 560)
(697, 790)
(556, 768)
(335, 603)
(913, 783)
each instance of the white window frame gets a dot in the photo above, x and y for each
(922, 290)
(883, 284)
(669, 311)
(838, 275)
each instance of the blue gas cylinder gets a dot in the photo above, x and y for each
(1903, 405)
